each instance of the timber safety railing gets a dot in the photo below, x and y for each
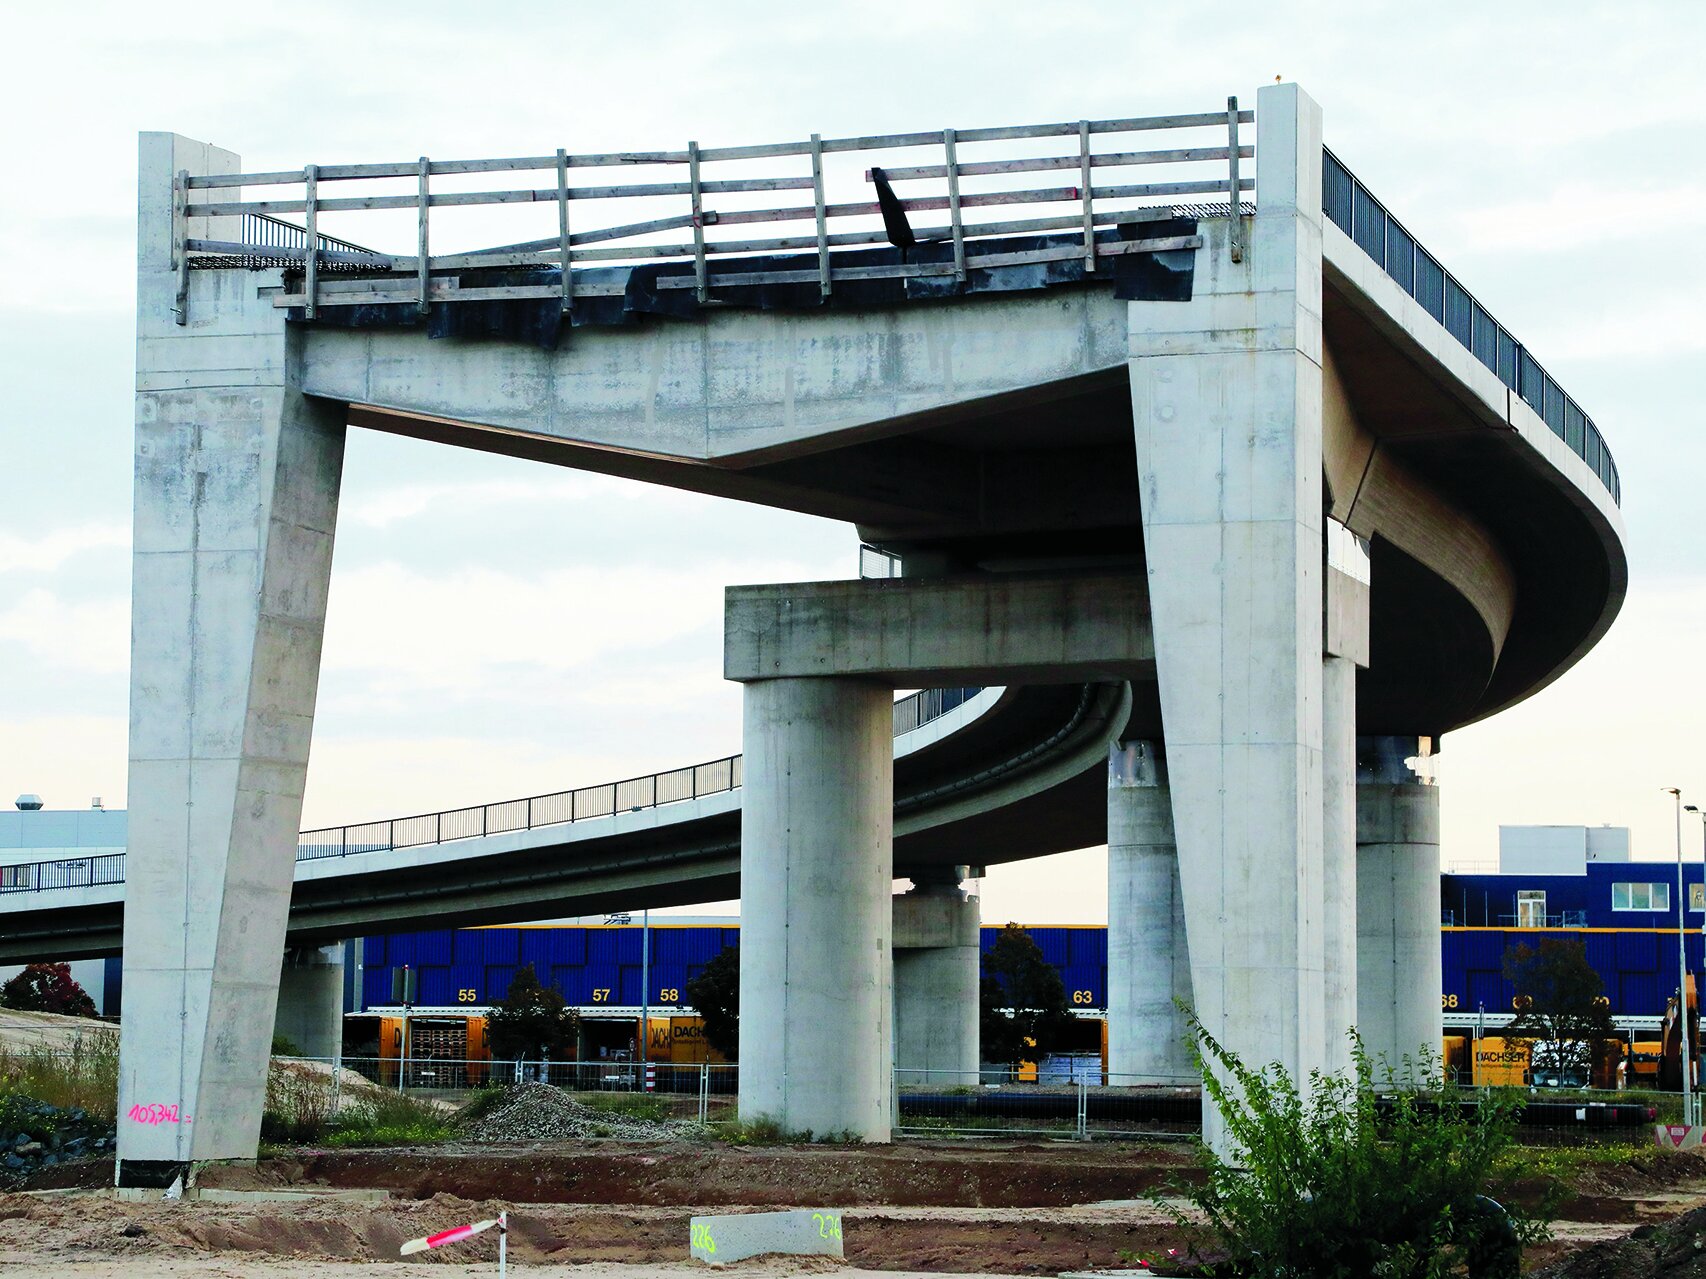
(848, 198)
(558, 808)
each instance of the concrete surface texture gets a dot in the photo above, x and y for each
(802, 1232)
(1148, 955)
(236, 496)
(1226, 406)
(311, 1001)
(1397, 888)
(817, 868)
(936, 929)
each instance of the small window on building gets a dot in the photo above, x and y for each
(1697, 897)
(1640, 897)
(1531, 909)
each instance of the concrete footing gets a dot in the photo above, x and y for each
(1398, 954)
(1148, 959)
(817, 870)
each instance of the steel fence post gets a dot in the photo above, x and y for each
(704, 1092)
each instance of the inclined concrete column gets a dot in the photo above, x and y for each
(1148, 960)
(817, 872)
(236, 498)
(311, 1001)
(1226, 412)
(1345, 649)
(936, 970)
(1398, 951)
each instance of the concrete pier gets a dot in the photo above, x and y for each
(1148, 958)
(1226, 410)
(237, 477)
(817, 870)
(936, 983)
(311, 1000)
(1398, 954)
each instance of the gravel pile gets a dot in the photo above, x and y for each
(541, 1112)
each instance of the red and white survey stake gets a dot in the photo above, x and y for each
(456, 1234)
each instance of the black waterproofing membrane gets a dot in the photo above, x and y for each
(1146, 277)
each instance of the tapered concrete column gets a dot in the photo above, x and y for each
(237, 478)
(1148, 960)
(311, 1000)
(936, 958)
(1226, 409)
(817, 859)
(1398, 952)
(1346, 649)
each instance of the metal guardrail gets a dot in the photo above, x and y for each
(558, 808)
(975, 171)
(1350, 207)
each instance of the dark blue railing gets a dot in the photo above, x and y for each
(1350, 207)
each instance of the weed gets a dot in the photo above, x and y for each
(83, 1075)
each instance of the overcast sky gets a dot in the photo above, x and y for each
(499, 628)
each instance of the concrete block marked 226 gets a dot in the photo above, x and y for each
(799, 1233)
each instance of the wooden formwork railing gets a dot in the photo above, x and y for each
(703, 199)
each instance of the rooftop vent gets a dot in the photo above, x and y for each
(29, 803)
(96, 804)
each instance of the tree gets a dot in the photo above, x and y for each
(715, 992)
(1023, 1013)
(1561, 1004)
(47, 988)
(531, 1021)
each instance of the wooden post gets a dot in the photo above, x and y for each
(699, 279)
(425, 304)
(954, 205)
(822, 216)
(1084, 180)
(181, 243)
(1237, 242)
(311, 284)
(563, 228)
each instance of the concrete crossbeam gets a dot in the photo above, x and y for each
(930, 631)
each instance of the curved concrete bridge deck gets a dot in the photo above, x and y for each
(1287, 482)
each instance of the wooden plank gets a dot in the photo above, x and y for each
(564, 239)
(440, 293)
(238, 248)
(422, 256)
(347, 204)
(1143, 190)
(1084, 165)
(1236, 240)
(957, 227)
(1036, 164)
(403, 169)
(181, 244)
(821, 216)
(698, 222)
(310, 287)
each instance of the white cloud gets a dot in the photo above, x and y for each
(90, 636)
(45, 552)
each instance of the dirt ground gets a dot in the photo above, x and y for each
(970, 1207)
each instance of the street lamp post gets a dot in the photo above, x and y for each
(1682, 968)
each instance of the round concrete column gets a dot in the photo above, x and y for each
(1148, 962)
(1339, 856)
(1398, 949)
(311, 1000)
(817, 856)
(936, 973)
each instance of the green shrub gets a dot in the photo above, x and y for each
(382, 1118)
(1347, 1180)
(301, 1102)
(285, 1046)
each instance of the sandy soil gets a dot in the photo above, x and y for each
(995, 1208)
(20, 1030)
